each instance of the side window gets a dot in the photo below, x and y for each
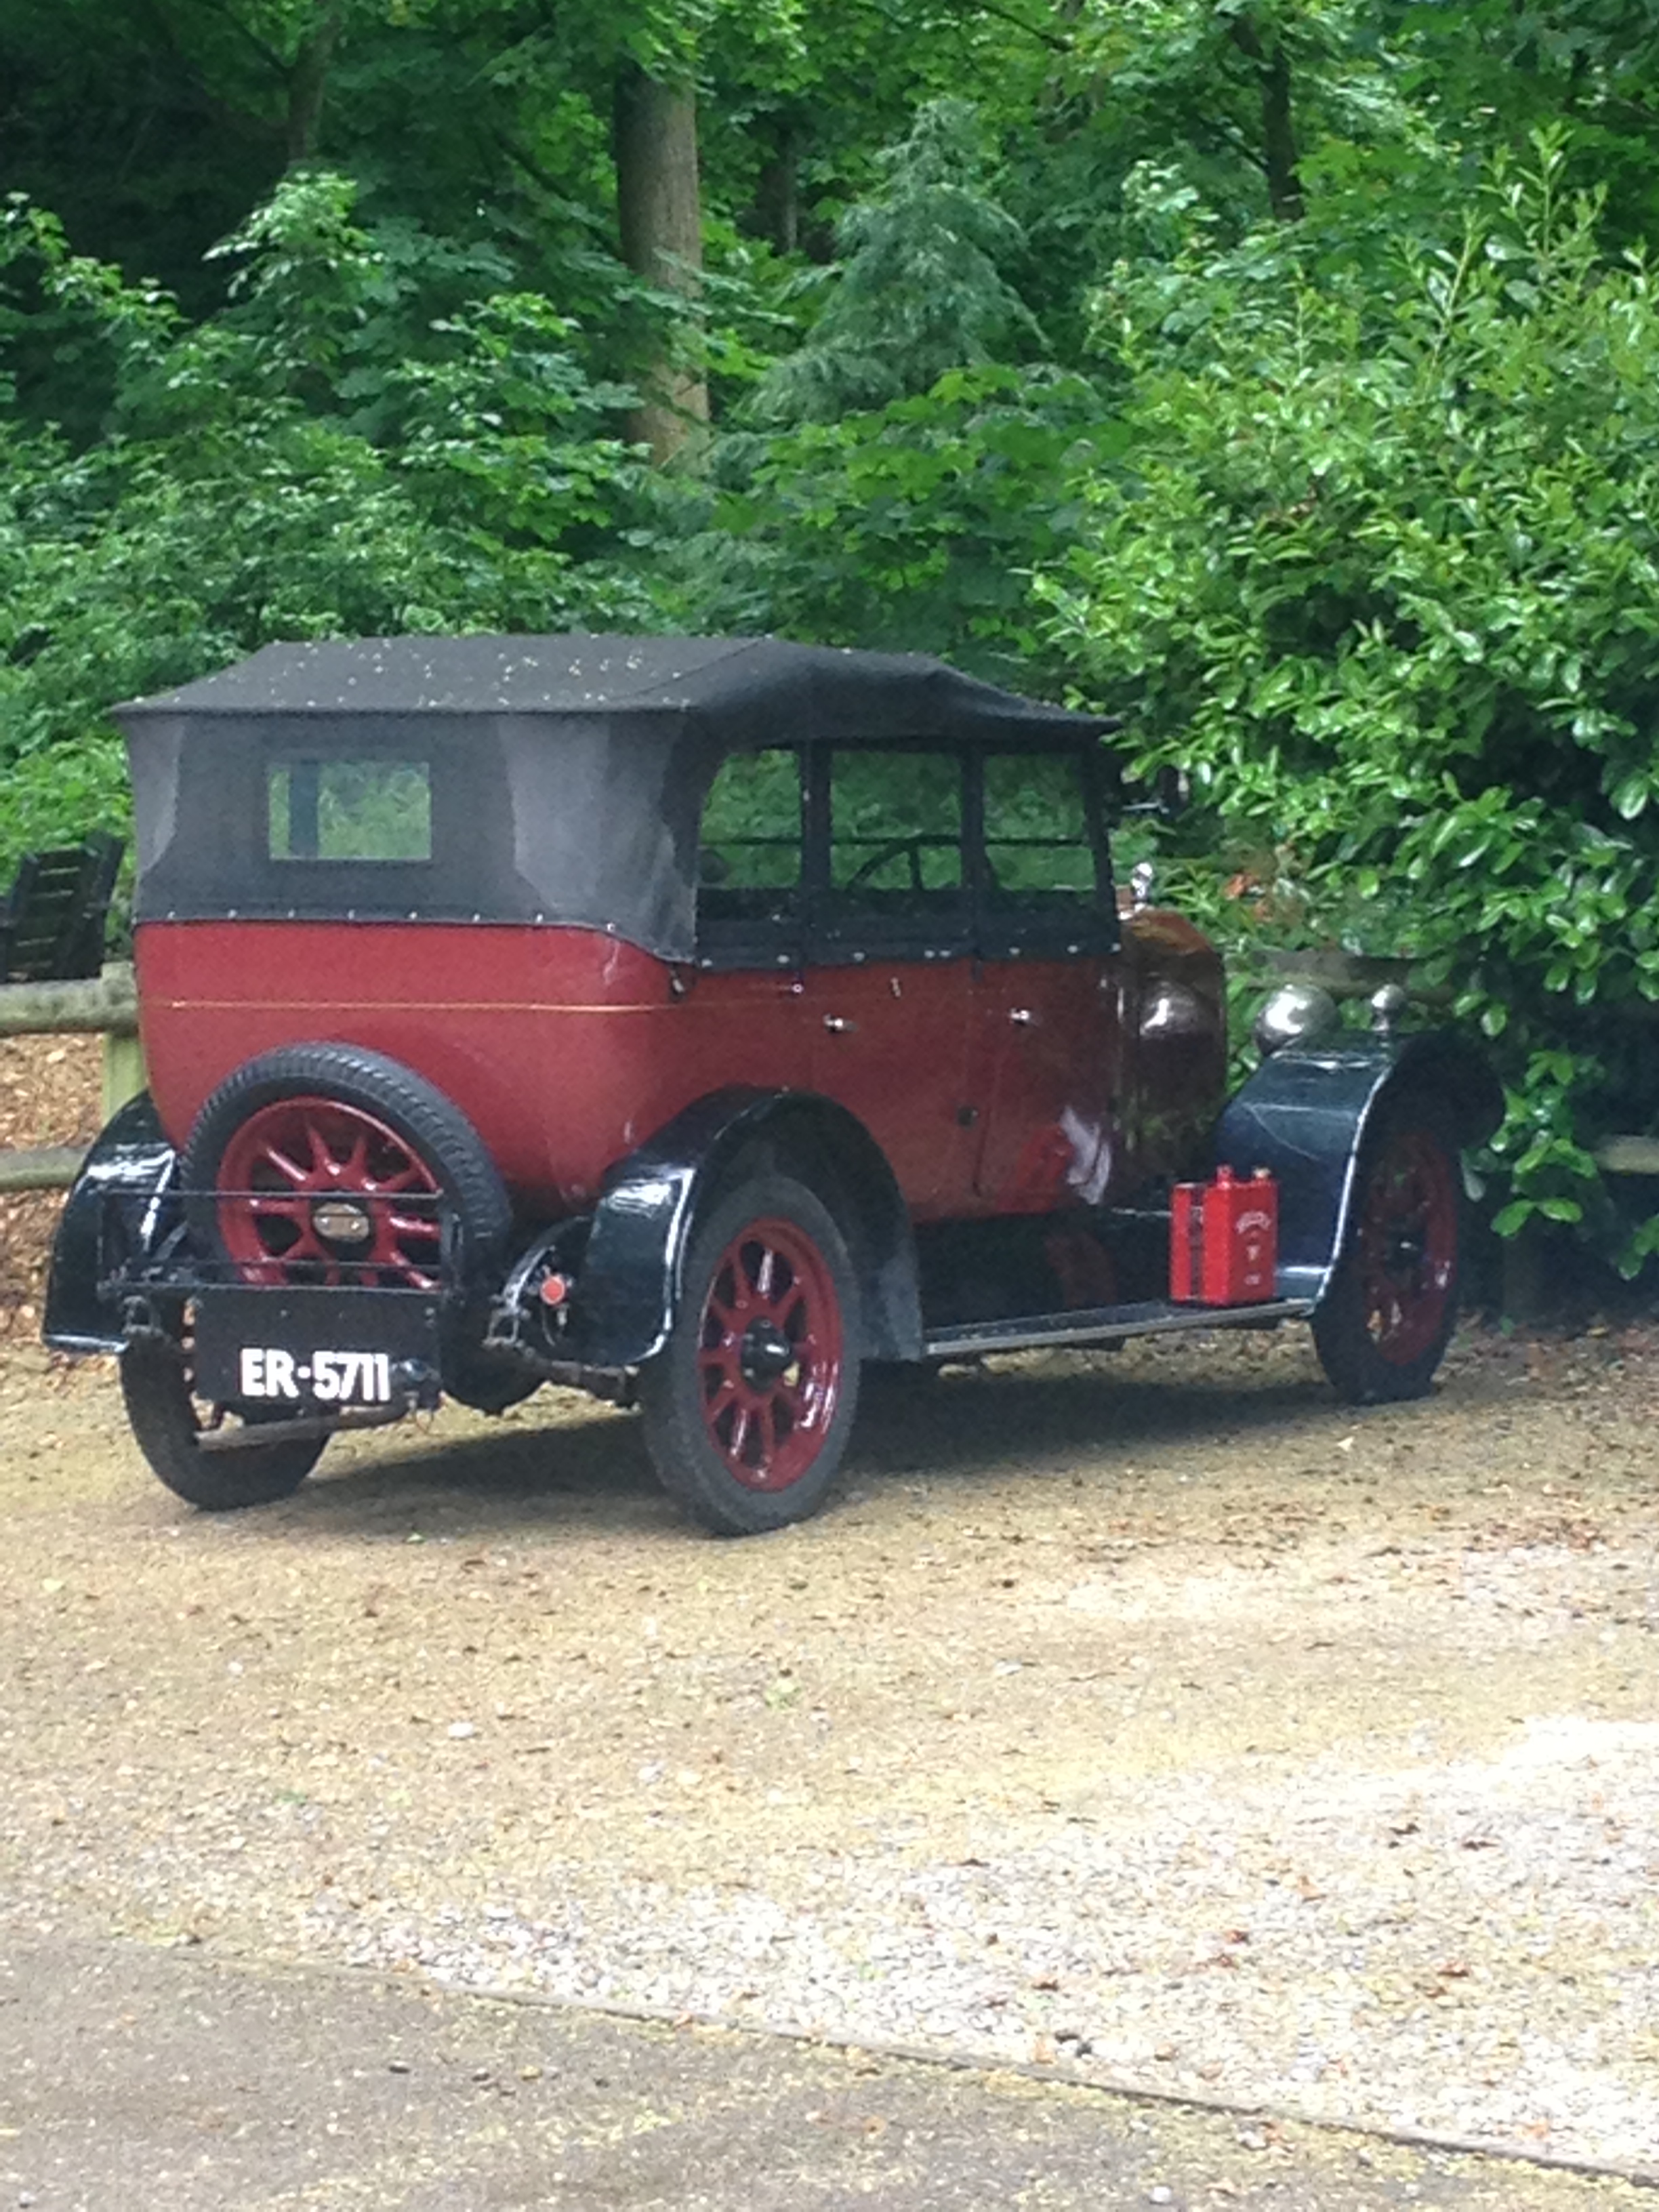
(1041, 870)
(749, 859)
(896, 863)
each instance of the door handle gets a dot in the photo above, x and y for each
(839, 1024)
(1022, 1016)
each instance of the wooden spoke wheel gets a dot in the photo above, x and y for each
(749, 1405)
(327, 1163)
(1388, 1314)
(326, 1192)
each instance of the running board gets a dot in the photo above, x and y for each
(1101, 1325)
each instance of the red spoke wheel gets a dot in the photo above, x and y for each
(320, 1191)
(331, 1164)
(770, 1354)
(749, 1406)
(1388, 1315)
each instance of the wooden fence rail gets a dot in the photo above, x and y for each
(104, 1006)
(108, 1003)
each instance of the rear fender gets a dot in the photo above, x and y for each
(631, 1279)
(1304, 1114)
(133, 1158)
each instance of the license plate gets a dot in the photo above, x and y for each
(335, 1378)
(309, 1350)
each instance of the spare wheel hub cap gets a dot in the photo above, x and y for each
(339, 1222)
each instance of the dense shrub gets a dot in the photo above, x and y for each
(288, 469)
(914, 526)
(1383, 570)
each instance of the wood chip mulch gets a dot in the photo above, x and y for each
(49, 1094)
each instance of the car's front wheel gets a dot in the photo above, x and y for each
(156, 1382)
(749, 1406)
(1387, 1318)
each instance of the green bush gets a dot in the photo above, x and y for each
(912, 527)
(282, 471)
(1382, 570)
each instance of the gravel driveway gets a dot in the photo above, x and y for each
(1147, 1715)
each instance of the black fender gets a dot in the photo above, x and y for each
(628, 1285)
(131, 1158)
(1304, 1116)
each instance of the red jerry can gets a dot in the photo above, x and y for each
(1224, 1239)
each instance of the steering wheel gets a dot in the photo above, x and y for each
(912, 847)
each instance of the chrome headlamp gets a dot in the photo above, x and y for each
(1295, 1012)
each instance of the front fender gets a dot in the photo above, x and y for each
(629, 1285)
(132, 1158)
(1304, 1116)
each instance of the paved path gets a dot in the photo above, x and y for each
(135, 2079)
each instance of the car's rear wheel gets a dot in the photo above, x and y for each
(1384, 1324)
(749, 1406)
(167, 1425)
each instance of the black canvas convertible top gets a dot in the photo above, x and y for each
(825, 691)
(568, 772)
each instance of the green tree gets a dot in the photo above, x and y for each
(920, 288)
(247, 489)
(1384, 572)
(914, 527)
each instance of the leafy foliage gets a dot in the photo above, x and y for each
(1385, 574)
(1275, 372)
(922, 289)
(913, 526)
(238, 495)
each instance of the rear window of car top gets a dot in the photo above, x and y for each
(348, 810)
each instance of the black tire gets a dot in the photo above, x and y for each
(1382, 1328)
(747, 1432)
(155, 1384)
(416, 1110)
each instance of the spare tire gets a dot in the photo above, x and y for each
(311, 1123)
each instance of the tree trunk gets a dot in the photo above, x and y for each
(1278, 155)
(659, 211)
(777, 188)
(308, 81)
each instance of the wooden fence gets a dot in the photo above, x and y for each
(105, 1005)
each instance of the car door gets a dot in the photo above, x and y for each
(1048, 1025)
(889, 987)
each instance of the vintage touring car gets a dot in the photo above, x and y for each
(694, 1020)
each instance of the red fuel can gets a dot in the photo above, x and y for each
(1224, 1239)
